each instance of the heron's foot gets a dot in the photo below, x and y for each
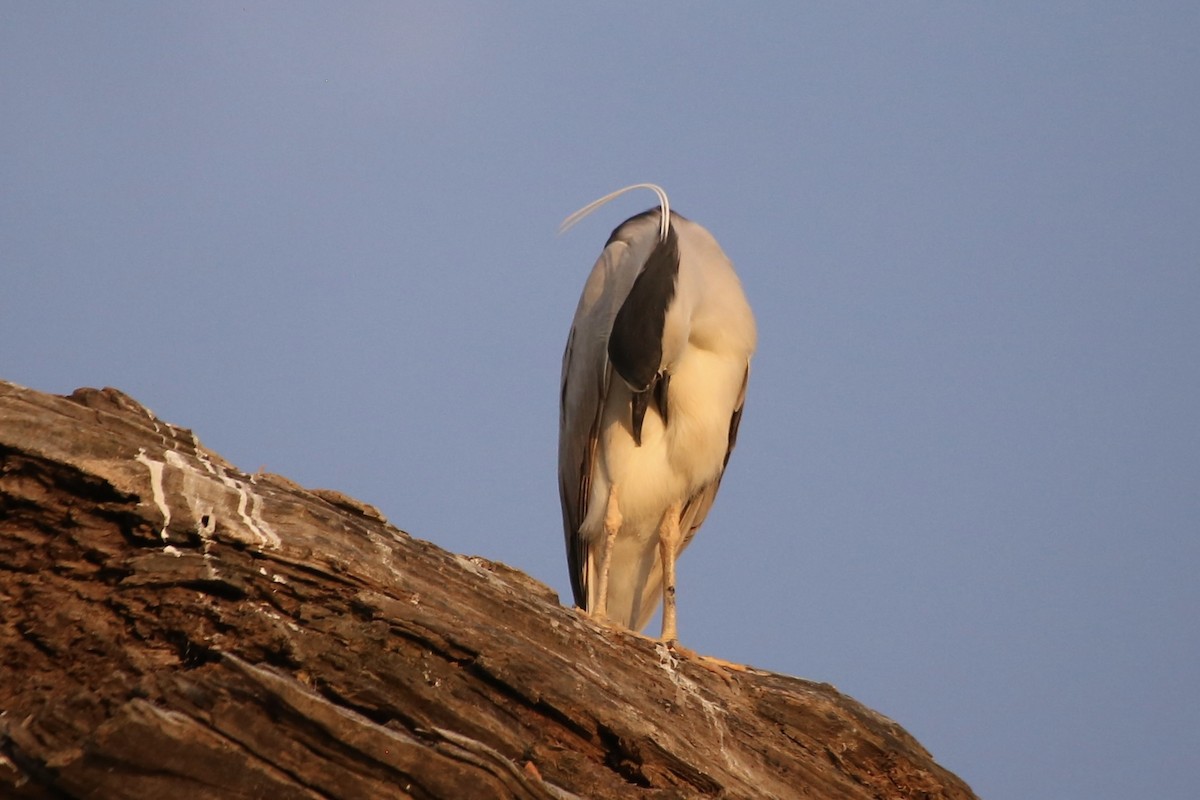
(679, 649)
(714, 663)
(717, 666)
(600, 618)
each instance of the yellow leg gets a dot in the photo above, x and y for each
(668, 547)
(612, 524)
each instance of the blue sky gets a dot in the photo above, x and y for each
(967, 486)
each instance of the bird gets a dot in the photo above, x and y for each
(654, 380)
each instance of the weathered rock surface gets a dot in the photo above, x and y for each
(171, 627)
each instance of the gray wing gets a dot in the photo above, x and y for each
(582, 402)
(585, 379)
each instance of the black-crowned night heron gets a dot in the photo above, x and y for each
(653, 381)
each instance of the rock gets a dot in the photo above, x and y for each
(173, 627)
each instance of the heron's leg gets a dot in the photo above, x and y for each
(612, 524)
(668, 547)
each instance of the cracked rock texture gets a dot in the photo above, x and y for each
(172, 627)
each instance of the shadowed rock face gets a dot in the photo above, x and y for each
(173, 627)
